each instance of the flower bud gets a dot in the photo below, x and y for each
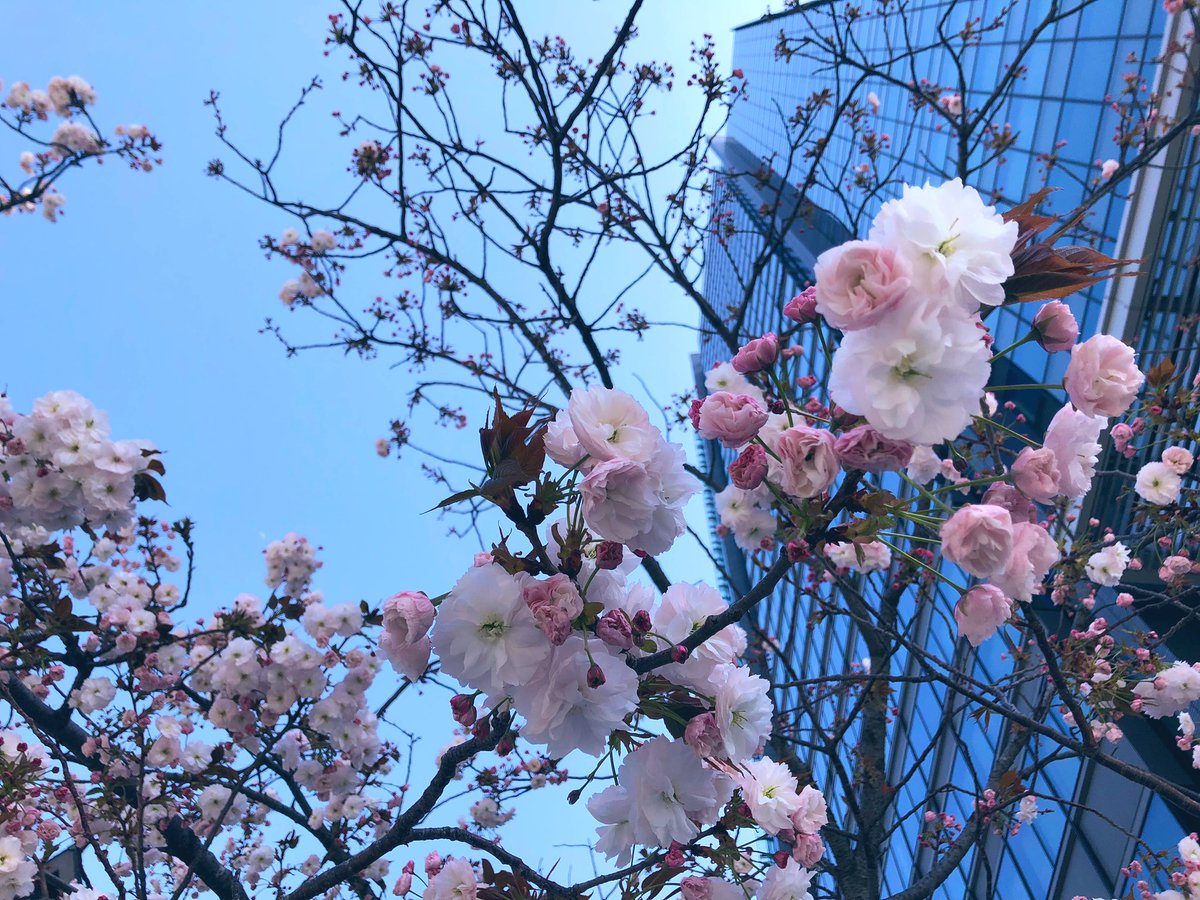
(641, 624)
(433, 863)
(615, 630)
(1055, 326)
(803, 307)
(798, 550)
(609, 555)
(781, 858)
(757, 354)
(595, 676)
(749, 469)
(462, 707)
(680, 653)
(674, 858)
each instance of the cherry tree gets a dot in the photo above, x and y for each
(871, 466)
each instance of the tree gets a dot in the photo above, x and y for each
(254, 752)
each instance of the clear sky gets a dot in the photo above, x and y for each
(148, 296)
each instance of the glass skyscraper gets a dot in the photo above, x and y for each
(1061, 117)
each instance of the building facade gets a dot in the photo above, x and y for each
(1062, 115)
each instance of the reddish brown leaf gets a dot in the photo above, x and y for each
(1162, 374)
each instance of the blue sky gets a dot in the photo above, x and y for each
(149, 294)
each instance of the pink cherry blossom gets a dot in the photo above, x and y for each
(807, 463)
(859, 283)
(980, 612)
(1102, 378)
(979, 538)
(1036, 475)
(750, 468)
(732, 419)
(1180, 459)
(867, 449)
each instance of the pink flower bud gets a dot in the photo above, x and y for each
(462, 707)
(642, 623)
(757, 354)
(609, 555)
(615, 630)
(595, 676)
(1122, 434)
(433, 863)
(803, 307)
(704, 735)
(1056, 327)
(674, 858)
(732, 419)
(781, 858)
(798, 550)
(680, 653)
(750, 468)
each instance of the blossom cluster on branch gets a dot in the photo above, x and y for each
(75, 139)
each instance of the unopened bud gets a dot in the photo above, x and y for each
(462, 707)
(803, 307)
(680, 653)
(609, 555)
(642, 623)
(595, 676)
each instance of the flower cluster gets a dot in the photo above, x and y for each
(59, 467)
(913, 360)
(71, 141)
(635, 485)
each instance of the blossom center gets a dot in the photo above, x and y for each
(906, 369)
(493, 628)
